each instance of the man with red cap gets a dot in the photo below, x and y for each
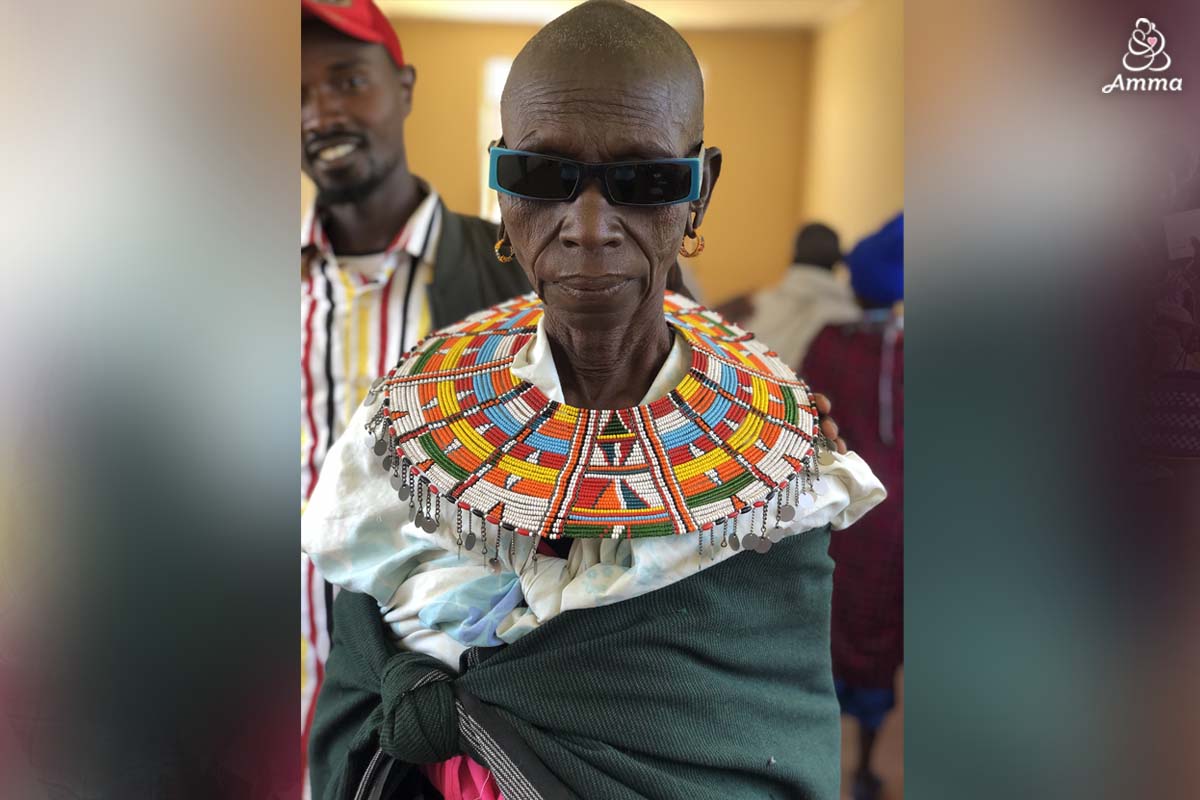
(383, 261)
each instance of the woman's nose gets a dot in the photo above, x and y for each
(591, 222)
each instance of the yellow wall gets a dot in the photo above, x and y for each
(756, 100)
(855, 168)
(442, 133)
(307, 193)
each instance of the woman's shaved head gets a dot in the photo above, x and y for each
(613, 41)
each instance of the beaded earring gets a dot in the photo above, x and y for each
(502, 243)
(697, 246)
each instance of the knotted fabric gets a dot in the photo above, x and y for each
(420, 725)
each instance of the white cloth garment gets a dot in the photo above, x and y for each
(439, 601)
(790, 314)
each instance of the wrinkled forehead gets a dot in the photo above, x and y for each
(619, 115)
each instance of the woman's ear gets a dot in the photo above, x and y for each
(712, 171)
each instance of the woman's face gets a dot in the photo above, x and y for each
(594, 263)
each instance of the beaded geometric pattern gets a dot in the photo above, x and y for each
(737, 428)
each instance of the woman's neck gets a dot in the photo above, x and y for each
(609, 366)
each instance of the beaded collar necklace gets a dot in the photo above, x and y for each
(460, 434)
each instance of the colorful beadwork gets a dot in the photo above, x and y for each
(739, 427)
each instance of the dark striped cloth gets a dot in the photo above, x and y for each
(861, 368)
(715, 687)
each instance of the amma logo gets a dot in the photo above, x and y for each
(1147, 53)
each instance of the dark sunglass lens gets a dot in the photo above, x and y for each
(650, 183)
(536, 176)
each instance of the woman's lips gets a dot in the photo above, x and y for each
(592, 287)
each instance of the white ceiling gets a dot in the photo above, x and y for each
(684, 14)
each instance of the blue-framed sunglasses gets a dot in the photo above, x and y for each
(654, 182)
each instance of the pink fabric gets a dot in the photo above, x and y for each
(461, 778)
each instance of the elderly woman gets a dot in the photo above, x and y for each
(550, 589)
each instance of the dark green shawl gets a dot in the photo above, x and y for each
(716, 687)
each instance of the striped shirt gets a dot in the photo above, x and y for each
(357, 317)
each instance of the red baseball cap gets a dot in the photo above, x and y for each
(360, 19)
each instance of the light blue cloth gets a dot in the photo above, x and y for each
(471, 612)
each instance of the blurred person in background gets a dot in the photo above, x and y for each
(383, 261)
(811, 295)
(863, 363)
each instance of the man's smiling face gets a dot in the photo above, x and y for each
(353, 103)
